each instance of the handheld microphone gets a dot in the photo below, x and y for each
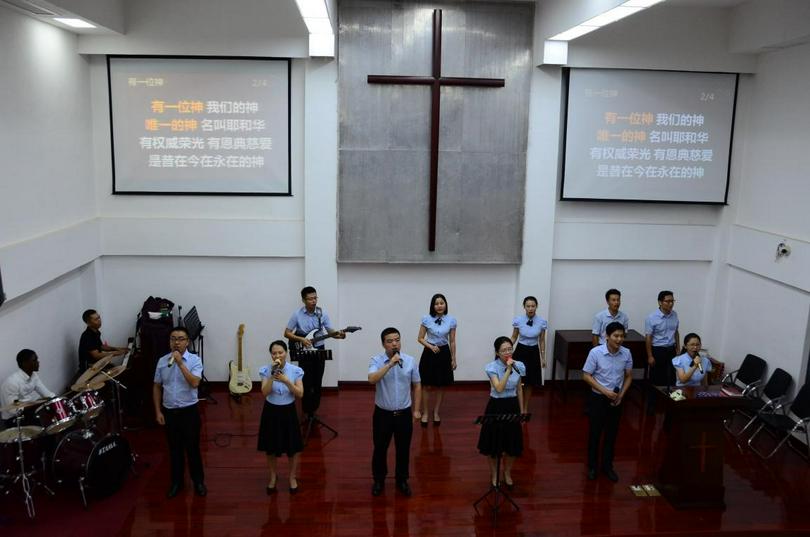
(400, 358)
(700, 366)
(171, 361)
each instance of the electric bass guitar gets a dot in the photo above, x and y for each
(239, 382)
(298, 348)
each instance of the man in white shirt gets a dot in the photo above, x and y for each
(23, 385)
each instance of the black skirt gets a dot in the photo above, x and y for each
(436, 369)
(279, 431)
(508, 436)
(530, 356)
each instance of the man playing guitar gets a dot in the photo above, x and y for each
(302, 322)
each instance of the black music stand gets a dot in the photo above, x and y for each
(192, 323)
(498, 421)
(313, 419)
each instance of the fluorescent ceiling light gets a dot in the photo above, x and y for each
(610, 16)
(312, 9)
(573, 33)
(74, 23)
(318, 26)
(641, 3)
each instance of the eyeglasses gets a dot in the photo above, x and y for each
(506, 351)
(176, 339)
(669, 301)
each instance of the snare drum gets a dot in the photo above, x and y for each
(88, 405)
(56, 415)
(96, 462)
(10, 450)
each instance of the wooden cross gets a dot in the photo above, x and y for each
(702, 447)
(435, 81)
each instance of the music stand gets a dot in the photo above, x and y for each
(313, 419)
(499, 421)
(192, 323)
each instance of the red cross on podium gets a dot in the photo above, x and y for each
(435, 81)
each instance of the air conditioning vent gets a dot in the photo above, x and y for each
(28, 7)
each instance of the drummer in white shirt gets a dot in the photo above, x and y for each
(24, 385)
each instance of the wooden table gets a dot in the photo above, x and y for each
(571, 348)
(691, 471)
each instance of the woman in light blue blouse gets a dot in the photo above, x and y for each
(691, 369)
(437, 333)
(505, 397)
(279, 431)
(529, 332)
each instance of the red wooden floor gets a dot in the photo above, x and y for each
(763, 498)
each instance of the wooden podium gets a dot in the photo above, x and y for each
(691, 472)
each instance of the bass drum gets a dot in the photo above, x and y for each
(97, 462)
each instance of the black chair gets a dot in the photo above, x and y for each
(748, 377)
(773, 394)
(780, 423)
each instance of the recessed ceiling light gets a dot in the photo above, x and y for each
(74, 23)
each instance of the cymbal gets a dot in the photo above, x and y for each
(93, 370)
(88, 386)
(13, 407)
(112, 372)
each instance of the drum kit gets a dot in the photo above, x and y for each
(84, 455)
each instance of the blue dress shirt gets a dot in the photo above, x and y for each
(604, 318)
(280, 394)
(302, 323)
(438, 334)
(393, 391)
(528, 335)
(662, 328)
(608, 369)
(684, 362)
(498, 368)
(177, 392)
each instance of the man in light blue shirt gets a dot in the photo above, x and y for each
(662, 338)
(393, 374)
(608, 371)
(611, 314)
(174, 395)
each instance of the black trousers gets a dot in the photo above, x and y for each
(183, 435)
(604, 420)
(386, 424)
(661, 374)
(313, 378)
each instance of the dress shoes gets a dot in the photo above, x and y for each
(611, 474)
(270, 490)
(591, 474)
(404, 488)
(200, 490)
(377, 488)
(295, 489)
(174, 490)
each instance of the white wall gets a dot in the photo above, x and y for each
(259, 292)
(378, 296)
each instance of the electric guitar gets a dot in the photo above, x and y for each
(239, 382)
(297, 347)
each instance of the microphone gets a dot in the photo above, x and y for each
(400, 361)
(700, 366)
(171, 361)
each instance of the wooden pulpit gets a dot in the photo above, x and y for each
(691, 472)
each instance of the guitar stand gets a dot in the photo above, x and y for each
(499, 495)
(313, 419)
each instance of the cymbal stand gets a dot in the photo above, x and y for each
(118, 409)
(26, 478)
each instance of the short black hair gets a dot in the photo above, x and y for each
(500, 341)
(87, 314)
(23, 356)
(432, 310)
(612, 292)
(308, 290)
(388, 331)
(278, 342)
(530, 297)
(181, 329)
(691, 335)
(612, 327)
(663, 294)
